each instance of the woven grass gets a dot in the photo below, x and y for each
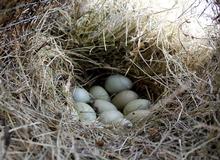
(56, 45)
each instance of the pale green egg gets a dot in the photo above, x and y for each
(110, 116)
(85, 112)
(81, 95)
(137, 104)
(137, 116)
(103, 106)
(99, 92)
(116, 83)
(123, 98)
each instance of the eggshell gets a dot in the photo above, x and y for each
(137, 116)
(137, 104)
(123, 98)
(110, 116)
(103, 105)
(124, 122)
(99, 92)
(86, 112)
(117, 83)
(81, 95)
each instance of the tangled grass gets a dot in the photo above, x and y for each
(50, 46)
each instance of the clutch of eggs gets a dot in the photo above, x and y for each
(98, 102)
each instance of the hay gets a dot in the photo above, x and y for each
(67, 43)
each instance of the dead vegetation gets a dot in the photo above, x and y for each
(47, 50)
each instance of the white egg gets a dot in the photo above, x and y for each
(117, 83)
(137, 104)
(123, 98)
(81, 95)
(110, 116)
(86, 112)
(103, 105)
(99, 92)
(137, 116)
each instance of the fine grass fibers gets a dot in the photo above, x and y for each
(169, 49)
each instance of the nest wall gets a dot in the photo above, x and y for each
(78, 43)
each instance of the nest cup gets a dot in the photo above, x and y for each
(99, 46)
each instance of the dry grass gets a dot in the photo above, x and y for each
(61, 45)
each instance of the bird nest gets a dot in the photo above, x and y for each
(49, 47)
